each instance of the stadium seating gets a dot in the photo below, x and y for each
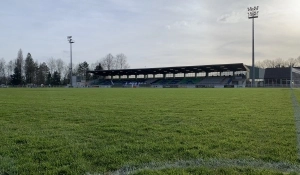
(150, 81)
(174, 81)
(161, 82)
(214, 81)
(190, 81)
(105, 82)
(211, 81)
(170, 81)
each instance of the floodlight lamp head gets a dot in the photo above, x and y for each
(69, 37)
(71, 41)
(253, 12)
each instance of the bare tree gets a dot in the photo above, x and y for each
(269, 63)
(51, 63)
(121, 62)
(66, 72)
(260, 64)
(108, 62)
(291, 62)
(298, 60)
(10, 68)
(279, 63)
(2, 71)
(94, 65)
(20, 62)
(60, 65)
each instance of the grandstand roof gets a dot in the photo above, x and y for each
(171, 70)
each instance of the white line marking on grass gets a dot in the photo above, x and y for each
(297, 120)
(210, 163)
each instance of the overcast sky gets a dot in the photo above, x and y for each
(151, 33)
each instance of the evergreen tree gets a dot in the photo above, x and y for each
(42, 73)
(56, 78)
(82, 70)
(98, 67)
(16, 78)
(49, 79)
(30, 69)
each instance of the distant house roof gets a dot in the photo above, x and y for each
(171, 70)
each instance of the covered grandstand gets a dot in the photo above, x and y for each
(220, 75)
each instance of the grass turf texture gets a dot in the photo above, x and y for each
(202, 170)
(77, 131)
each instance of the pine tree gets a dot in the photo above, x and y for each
(42, 73)
(16, 78)
(30, 69)
(82, 70)
(98, 67)
(49, 79)
(56, 78)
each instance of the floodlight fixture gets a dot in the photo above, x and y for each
(253, 13)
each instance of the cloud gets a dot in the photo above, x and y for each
(233, 17)
(149, 33)
(184, 25)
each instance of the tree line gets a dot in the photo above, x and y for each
(22, 71)
(278, 63)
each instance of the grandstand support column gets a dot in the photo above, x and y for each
(184, 75)
(153, 75)
(135, 76)
(119, 77)
(174, 76)
(111, 77)
(127, 76)
(206, 74)
(195, 74)
(164, 76)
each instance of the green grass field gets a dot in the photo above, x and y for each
(97, 131)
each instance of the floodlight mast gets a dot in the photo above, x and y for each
(71, 42)
(253, 13)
